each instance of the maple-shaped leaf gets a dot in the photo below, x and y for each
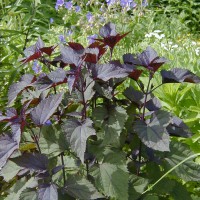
(57, 76)
(77, 133)
(154, 134)
(130, 65)
(69, 55)
(8, 144)
(36, 51)
(102, 49)
(47, 192)
(81, 188)
(178, 75)
(178, 128)
(150, 59)
(43, 111)
(110, 36)
(16, 88)
(108, 71)
(32, 161)
(76, 46)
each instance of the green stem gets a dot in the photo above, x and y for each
(172, 169)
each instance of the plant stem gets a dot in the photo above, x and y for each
(172, 169)
(155, 88)
(143, 119)
(63, 169)
(35, 139)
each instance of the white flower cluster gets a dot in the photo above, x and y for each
(157, 34)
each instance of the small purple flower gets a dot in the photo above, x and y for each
(133, 4)
(62, 38)
(60, 2)
(36, 67)
(68, 5)
(78, 9)
(144, 3)
(91, 38)
(51, 20)
(110, 2)
(125, 3)
(69, 32)
(89, 16)
(48, 123)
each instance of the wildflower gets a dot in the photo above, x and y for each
(110, 2)
(144, 3)
(78, 9)
(125, 3)
(51, 20)
(36, 67)
(91, 38)
(62, 38)
(48, 123)
(59, 3)
(69, 32)
(68, 5)
(89, 16)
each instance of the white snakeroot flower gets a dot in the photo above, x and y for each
(164, 46)
(194, 43)
(175, 46)
(157, 31)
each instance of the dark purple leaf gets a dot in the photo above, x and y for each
(150, 59)
(153, 104)
(134, 95)
(8, 144)
(77, 133)
(71, 80)
(130, 59)
(45, 109)
(108, 71)
(76, 46)
(178, 128)
(57, 76)
(178, 75)
(110, 36)
(32, 161)
(42, 83)
(16, 88)
(108, 30)
(57, 169)
(154, 134)
(47, 192)
(69, 55)
(48, 50)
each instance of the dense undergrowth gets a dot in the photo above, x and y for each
(124, 152)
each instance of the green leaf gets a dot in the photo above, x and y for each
(154, 134)
(81, 188)
(137, 185)
(52, 141)
(9, 171)
(112, 121)
(20, 186)
(28, 194)
(189, 170)
(111, 180)
(77, 134)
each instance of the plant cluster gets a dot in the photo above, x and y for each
(77, 136)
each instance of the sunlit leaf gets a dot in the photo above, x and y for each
(47, 192)
(43, 111)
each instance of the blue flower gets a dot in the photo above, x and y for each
(36, 67)
(125, 3)
(91, 38)
(110, 2)
(144, 3)
(62, 38)
(69, 32)
(51, 20)
(60, 2)
(89, 16)
(78, 9)
(48, 123)
(68, 5)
